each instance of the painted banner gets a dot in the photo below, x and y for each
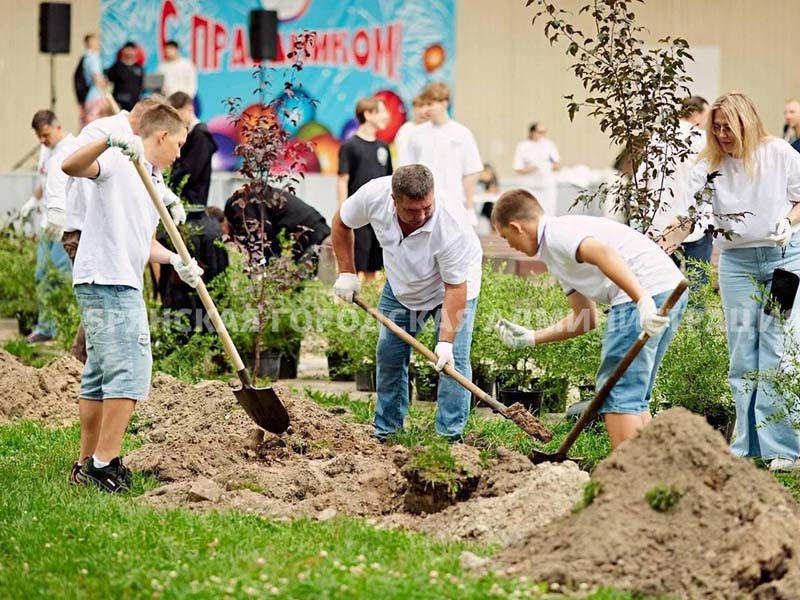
(389, 48)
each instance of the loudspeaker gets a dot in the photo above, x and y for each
(263, 35)
(54, 27)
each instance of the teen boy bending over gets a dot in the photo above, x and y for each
(598, 260)
(116, 244)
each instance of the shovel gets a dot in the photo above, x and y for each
(516, 413)
(262, 405)
(588, 414)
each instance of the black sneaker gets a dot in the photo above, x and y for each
(113, 478)
(73, 474)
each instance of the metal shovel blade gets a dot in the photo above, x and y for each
(264, 407)
(538, 458)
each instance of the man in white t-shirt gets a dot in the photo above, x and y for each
(673, 200)
(449, 150)
(180, 74)
(49, 252)
(403, 134)
(536, 159)
(117, 241)
(433, 269)
(599, 260)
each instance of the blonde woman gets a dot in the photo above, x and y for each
(758, 175)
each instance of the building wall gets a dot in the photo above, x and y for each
(507, 74)
(25, 74)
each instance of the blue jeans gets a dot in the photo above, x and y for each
(392, 357)
(48, 253)
(756, 343)
(631, 394)
(118, 357)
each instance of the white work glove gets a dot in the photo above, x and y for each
(472, 218)
(130, 145)
(178, 213)
(54, 229)
(190, 274)
(30, 205)
(444, 355)
(515, 336)
(783, 232)
(346, 286)
(650, 321)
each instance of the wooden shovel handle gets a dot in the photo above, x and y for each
(430, 355)
(630, 356)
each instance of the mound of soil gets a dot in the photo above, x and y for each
(49, 394)
(734, 532)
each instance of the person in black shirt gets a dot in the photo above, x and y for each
(282, 213)
(127, 76)
(363, 158)
(195, 158)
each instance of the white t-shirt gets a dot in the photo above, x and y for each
(401, 139)
(58, 193)
(769, 194)
(120, 223)
(560, 237)
(180, 75)
(450, 152)
(675, 203)
(443, 250)
(542, 154)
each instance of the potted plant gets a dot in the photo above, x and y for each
(17, 281)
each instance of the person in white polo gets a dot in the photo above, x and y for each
(433, 268)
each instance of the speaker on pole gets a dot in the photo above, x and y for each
(54, 27)
(263, 35)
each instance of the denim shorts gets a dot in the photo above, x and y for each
(119, 361)
(631, 394)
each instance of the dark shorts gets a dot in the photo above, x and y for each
(368, 251)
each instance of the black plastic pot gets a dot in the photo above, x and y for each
(26, 321)
(269, 365)
(484, 382)
(725, 424)
(427, 387)
(288, 367)
(554, 399)
(365, 380)
(338, 367)
(532, 400)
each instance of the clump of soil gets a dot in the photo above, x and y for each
(49, 394)
(440, 476)
(733, 533)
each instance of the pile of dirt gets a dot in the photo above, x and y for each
(49, 394)
(734, 532)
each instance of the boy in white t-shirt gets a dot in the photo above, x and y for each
(449, 150)
(599, 260)
(117, 241)
(535, 160)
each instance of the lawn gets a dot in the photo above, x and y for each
(62, 542)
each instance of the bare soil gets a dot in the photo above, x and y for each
(734, 532)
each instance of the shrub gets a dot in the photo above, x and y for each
(663, 498)
(17, 281)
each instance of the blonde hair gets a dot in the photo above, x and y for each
(746, 127)
(435, 92)
(162, 117)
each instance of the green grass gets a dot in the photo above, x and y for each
(63, 542)
(33, 355)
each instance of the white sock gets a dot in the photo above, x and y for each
(99, 463)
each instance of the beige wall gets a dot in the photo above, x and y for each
(507, 74)
(25, 73)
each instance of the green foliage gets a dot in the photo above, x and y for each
(28, 353)
(663, 498)
(590, 491)
(694, 372)
(194, 360)
(437, 465)
(358, 410)
(17, 280)
(59, 305)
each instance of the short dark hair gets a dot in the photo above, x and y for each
(42, 118)
(87, 37)
(692, 104)
(129, 44)
(515, 205)
(412, 181)
(532, 128)
(179, 100)
(173, 43)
